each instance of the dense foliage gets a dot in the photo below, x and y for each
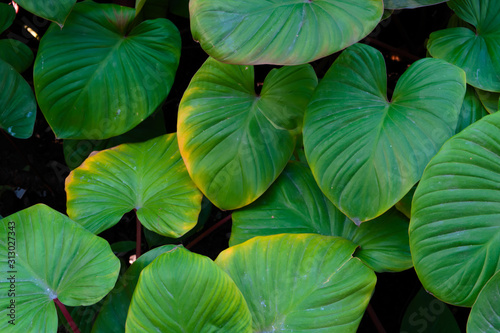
(336, 166)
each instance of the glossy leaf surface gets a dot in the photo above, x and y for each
(485, 316)
(300, 282)
(113, 76)
(54, 258)
(401, 4)
(18, 111)
(188, 293)
(367, 152)
(53, 10)
(295, 204)
(476, 52)
(276, 32)
(16, 53)
(455, 225)
(235, 143)
(149, 177)
(113, 314)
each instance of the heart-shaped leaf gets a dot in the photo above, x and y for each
(400, 4)
(472, 110)
(484, 316)
(16, 53)
(300, 282)
(53, 10)
(188, 293)
(113, 314)
(48, 256)
(476, 52)
(367, 152)
(97, 78)
(149, 177)
(235, 143)
(277, 32)
(455, 224)
(295, 204)
(18, 111)
(7, 16)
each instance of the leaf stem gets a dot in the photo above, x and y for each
(208, 231)
(375, 320)
(66, 314)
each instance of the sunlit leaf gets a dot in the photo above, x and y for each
(149, 177)
(235, 143)
(188, 293)
(53, 257)
(455, 219)
(367, 152)
(300, 282)
(277, 32)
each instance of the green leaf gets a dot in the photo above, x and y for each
(295, 204)
(76, 151)
(54, 257)
(300, 282)
(53, 10)
(401, 4)
(367, 152)
(427, 314)
(7, 16)
(455, 224)
(472, 109)
(18, 111)
(484, 316)
(16, 53)
(490, 100)
(188, 293)
(276, 32)
(149, 177)
(113, 314)
(98, 77)
(476, 52)
(235, 143)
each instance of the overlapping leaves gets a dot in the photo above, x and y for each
(455, 224)
(365, 151)
(235, 143)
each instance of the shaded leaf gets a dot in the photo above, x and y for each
(295, 204)
(53, 10)
(16, 54)
(189, 294)
(18, 112)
